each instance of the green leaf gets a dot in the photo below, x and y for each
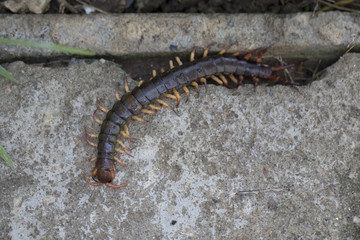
(46, 45)
(5, 156)
(7, 75)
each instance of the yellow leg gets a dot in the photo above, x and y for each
(168, 95)
(119, 161)
(147, 111)
(123, 145)
(203, 81)
(177, 95)
(139, 119)
(232, 78)
(207, 49)
(196, 85)
(126, 86)
(162, 70)
(178, 60)
(223, 79)
(122, 152)
(216, 79)
(186, 90)
(154, 107)
(140, 83)
(171, 64)
(226, 49)
(154, 73)
(166, 105)
(96, 118)
(104, 109)
(117, 95)
(92, 159)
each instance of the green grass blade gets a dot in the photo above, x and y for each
(5, 156)
(47, 46)
(7, 75)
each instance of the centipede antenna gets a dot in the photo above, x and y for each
(186, 90)
(178, 60)
(196, 85)
(224, 80)
(171, 64)
(91, 183)
(139, 119)
(216, 79)
(116, 186)
(119, 161)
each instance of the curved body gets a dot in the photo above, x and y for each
(141, 97)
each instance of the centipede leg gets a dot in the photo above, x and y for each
(126, 134)
(96, 118)
(203, 81)
(91, 183)
(178, 60)
(216, 79)
(139, 119)
(256, 82)
(116, 186)
(186, 90)
(226, 48)
(119, 161)
(196, 85)
(192, 54)
(207, 49)
(103, 109)
(123, 152)
(124, 146)
(224, 80)
(234, 80)
(167, 105)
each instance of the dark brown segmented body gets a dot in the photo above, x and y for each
(141, 97)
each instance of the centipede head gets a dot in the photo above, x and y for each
(104, 175)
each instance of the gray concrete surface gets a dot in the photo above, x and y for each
(275, 164)
(297, 35)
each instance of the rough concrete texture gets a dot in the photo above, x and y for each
(236, 164)
(295, 35)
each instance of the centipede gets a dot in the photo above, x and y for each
(223, 69)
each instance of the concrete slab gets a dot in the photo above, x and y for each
(295, 35)
(234, 165)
